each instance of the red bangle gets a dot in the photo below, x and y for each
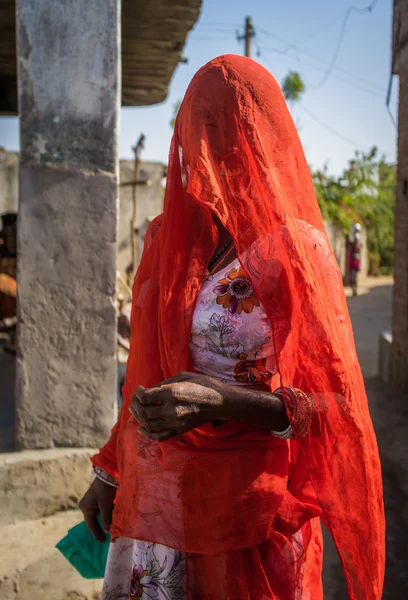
(300, 408)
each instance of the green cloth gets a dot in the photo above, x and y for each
(84, 552)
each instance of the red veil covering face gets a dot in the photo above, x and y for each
(236, 152)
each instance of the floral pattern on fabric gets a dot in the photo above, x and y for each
(236, 293)
(252, 371)
(115, 593)
(140, 584)
(221, 337)
(214, 334)
(144, 571)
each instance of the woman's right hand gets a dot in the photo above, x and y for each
(98, 499)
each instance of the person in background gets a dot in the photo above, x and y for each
(245, 420)
(8, 283)
(124, 334)
(355, 257)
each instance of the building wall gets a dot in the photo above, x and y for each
(399, 350)
(8, 181)
(149, 202)
(149, 198)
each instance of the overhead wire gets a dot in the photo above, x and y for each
(362, 84)
(215, 31)
(225, 29)
(322, 123)
(199, 35)
(347, 16)
(324, 27)
(217, 38)
(218, 31)
(218, 24)
(331, 65)
(291, 46)
(331, 130)
(339, 135)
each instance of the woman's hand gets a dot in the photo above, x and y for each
(190, 400)
(178, 405)
(98, 499)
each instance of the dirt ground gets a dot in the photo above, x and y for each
(371, 313)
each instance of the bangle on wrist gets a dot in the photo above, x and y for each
(286, 434)
(300, 409)
(105, 477)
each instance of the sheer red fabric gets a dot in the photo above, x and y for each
(237, 491)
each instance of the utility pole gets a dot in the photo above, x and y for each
(248, 35)
(136, 150)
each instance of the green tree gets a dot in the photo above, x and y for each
(176, 107)
(364, 192)
(293, 87)
(379, 221)
(329, 192)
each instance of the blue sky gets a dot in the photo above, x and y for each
(350, 104)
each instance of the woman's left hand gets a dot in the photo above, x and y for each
(182, 403)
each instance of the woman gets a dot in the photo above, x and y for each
(354, 257)
(248, 417)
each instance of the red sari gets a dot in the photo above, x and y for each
(237, 492)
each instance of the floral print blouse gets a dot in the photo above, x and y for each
(231, 337)
(231, 340)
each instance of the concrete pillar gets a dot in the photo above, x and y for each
(399, 350)
(68, 63)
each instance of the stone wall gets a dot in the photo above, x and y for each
(39, 492)
(149, 198)
(338, 243)
(8, 181)
(149, 202)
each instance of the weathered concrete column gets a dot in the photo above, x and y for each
(68, 60)
(399, 349)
